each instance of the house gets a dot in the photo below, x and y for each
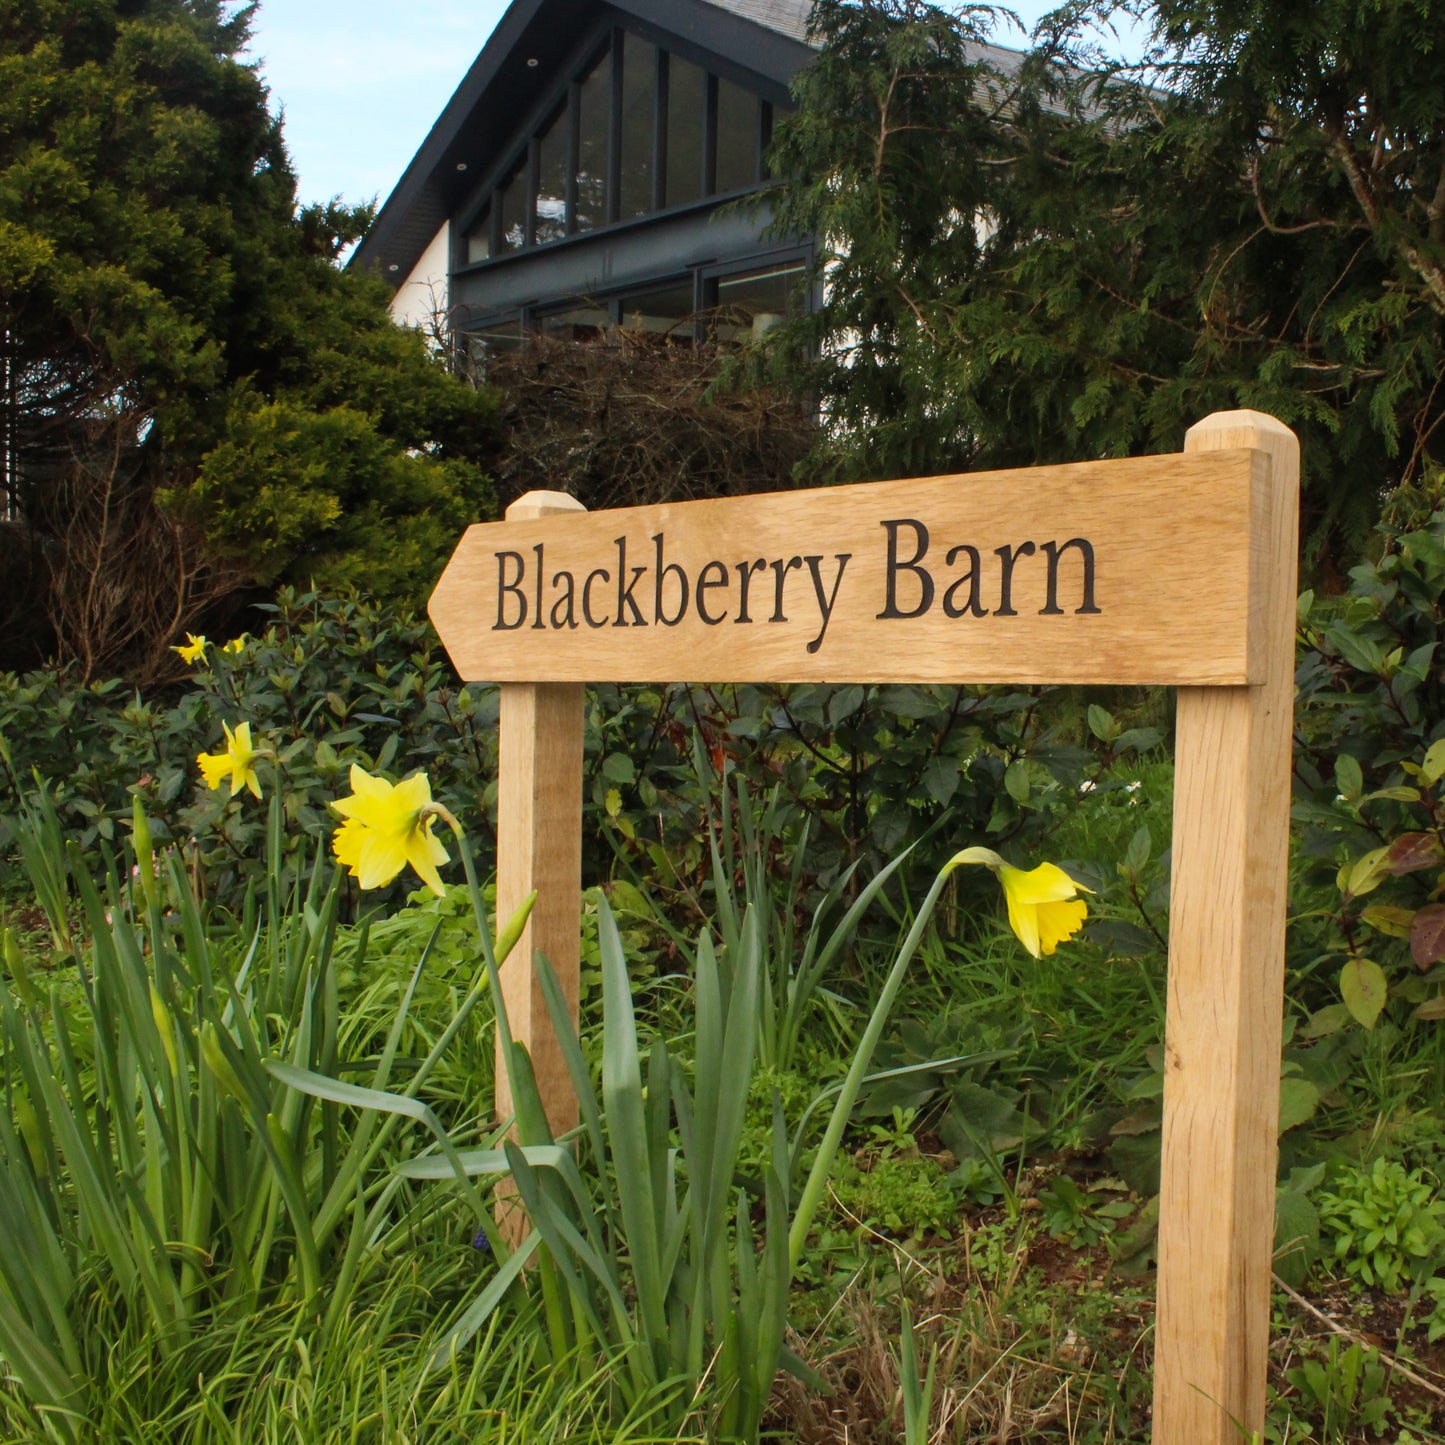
(587, 172)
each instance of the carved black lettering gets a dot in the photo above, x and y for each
(624, 594)
(1007, 556)
(707, 583)
(592, 621)
(1054, 551)
(538, 620)
(514, 587)
(745, 577)
(897, 565)
(781, 569)
(660, 579)
(825, 602)
(564, 611)
(952, 607)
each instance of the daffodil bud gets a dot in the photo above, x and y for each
(512, 929)
(166, 1027)
(219, 1065)
(29, 1124)
(17, 968)
(145, 858)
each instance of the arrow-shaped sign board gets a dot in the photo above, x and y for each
(1135, 571)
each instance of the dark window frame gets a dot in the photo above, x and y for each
(702, 278)
(604, 41)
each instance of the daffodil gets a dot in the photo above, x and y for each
(193, 650)
(1044, 909)
(239, 761)
(388, 826)
(236, 644)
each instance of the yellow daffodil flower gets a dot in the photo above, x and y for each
(1044, 909)
(388, 826)
(193, 650)
(239, 760)
(236, 644)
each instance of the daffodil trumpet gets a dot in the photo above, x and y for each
(1044, 907)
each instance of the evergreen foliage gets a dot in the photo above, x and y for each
(1058, 260)
(197, 399)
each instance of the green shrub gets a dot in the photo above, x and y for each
(1369, 715)
(1382, 1225)
(328, 682)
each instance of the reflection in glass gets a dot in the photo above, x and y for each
(666, 313)
(753, 303)
(686, 97)
(639, 83)
(551, 215)
(578, 324)
(592, 149)
(479, 238)
(737, 136)
(513, 204)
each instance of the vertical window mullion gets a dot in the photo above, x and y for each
(765, 136)
(614, 134)
(709, 136)
(496, 237)
(574, 152)
(659, 134)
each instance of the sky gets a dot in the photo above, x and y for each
(361, 82)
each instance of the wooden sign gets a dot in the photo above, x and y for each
(1074, 573)
(1176, 570)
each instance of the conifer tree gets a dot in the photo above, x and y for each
(1070, 258)
(197, 401)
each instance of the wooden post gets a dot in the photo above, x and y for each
(1226, 984)
(539, 846)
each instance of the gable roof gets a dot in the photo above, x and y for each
(787, 17)
(533, 42)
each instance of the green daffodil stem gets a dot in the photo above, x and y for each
(817, 1181)
(507, 939)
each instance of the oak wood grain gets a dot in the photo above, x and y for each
(539, 846)
(1225, 996)
(1131, 571)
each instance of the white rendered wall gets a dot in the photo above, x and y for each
(422, 297)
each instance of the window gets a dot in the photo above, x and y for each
(479, 237)
(739, 153)
(594, 96)
(639, 106)
(666, 312)
(686, 106)
(550, 207)
(750, 303)
(636, 130)
(512, 203)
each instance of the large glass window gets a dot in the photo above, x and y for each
(751, 303)
(739, 113)
(639, 107)
(686, 103)
(666, 312)
(593, 123)
(552, 169)
(479, 237)
(637, 128)
(512, 201)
